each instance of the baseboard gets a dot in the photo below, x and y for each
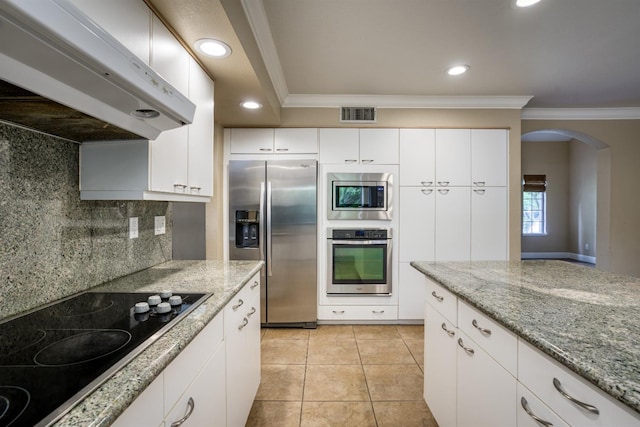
(558, 255)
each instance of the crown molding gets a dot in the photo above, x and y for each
(406, 101)
(623, 113)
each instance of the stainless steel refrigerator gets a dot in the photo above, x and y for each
(273, 217)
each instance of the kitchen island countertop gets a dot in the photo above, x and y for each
(587, 319)
(222, 279)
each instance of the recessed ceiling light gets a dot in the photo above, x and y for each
(524, 3)
(214, 48)
(457, 70)
(251, 105)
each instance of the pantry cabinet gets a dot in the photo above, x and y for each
(359, 146)
(489, 157)
(453, 224)
(453, 157)
(417, 157)
(489, 224)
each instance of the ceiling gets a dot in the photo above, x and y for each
(570, 54)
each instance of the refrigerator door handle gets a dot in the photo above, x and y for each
(268, 213)
(262, 221)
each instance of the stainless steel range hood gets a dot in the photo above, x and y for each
(51, 51)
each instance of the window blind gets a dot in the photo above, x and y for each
(534, 183)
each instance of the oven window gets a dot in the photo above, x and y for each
(360, 264)
(359, 196)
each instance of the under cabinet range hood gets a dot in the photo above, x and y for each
(50, 50)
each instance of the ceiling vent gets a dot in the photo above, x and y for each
(358, 114)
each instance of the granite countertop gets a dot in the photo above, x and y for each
(222, 279)
(586, 319)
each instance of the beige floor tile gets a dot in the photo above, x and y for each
(283, 352)
(384, 352)
(337, 414)
(271, 414)
(411, 332)
(394, 382)
(416, 347)
(335, 383)
(333, 352)
(375, 332)
(405, 414)
(286, 333)
(332, 332)
(281, 382)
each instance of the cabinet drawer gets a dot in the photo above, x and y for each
(499, 342)
(537, 372)
(531, 408)
(184, 368)
(354, 312)
(443, 301)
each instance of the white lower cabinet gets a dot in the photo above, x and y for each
(532, 412)
(357, 312)
(411, 293)
(147, 409)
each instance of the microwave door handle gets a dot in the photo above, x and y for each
(269, 239)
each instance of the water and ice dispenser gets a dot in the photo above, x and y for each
(247, 229)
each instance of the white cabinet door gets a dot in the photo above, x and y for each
(379, 146)
(411, 293)
(296, 140)
(200, 132)
(489, 224)
(489, 157)
(485, 390)
(127, 21)
(251, 141)
(169, 152)
(453, 157)
(453, 219)
(339, 146)
(440, 352)
(417, 224)
(417, 157)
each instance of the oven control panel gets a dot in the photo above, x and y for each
(360, 233)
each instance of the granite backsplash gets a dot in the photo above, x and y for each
(52, 244)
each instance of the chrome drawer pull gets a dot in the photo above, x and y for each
(338, 311)
(590, 408)
(255, 284)
(367, 161)
(252, 312)
(426, 183)
(449, 332)
(443, 183)
(190, 406)
(377, 311)
(443, 190)
(245, 322)
(525, 406)
(479, 183)
(483, 330)
(350, 161)
(436, 296)
(266, 149)
(238, 305)
(469, 350)
(480, 191)
(426, 191)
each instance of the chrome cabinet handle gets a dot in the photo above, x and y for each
(483, 330)
(238, 305)
(449, 332)
(245, 322)
(426, 183)
(193, 187)
(179, 187)
(266, 149)
(190, 406)
(436, 296)
(525, 406)
(252, 312)
(480, 191)
(479, 183)
(282, 149)
(427, 191)
(469, 350)
(255, 284)
(443, 183)
(377, 311)
(350, 160)
(443, 190)
(558, 385)
(367, 161)
(338, 311)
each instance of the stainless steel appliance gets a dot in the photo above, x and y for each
(53, 357)
(360, 196)
(272, 217)
(359, 261)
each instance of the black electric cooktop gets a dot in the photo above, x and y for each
(53, 357)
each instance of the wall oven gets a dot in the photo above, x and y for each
(359, 261)
(360, 196)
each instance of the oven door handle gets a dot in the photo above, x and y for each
(359, 242)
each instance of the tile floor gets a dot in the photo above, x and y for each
(342, 375)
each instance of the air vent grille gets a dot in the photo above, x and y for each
(358, 114)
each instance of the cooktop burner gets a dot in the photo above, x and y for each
(52, 357)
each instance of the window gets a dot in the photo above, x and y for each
(534, 213)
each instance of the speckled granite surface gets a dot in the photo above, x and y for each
(587, 319)
(222, 279)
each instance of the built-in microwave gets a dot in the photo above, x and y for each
(360, 196)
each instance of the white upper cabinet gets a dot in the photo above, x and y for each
(453, 157)
(417, 157)
(127, 21)
(274, 141)
(489, 157)
(251, 141)
(296, 140)
(363, 146)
